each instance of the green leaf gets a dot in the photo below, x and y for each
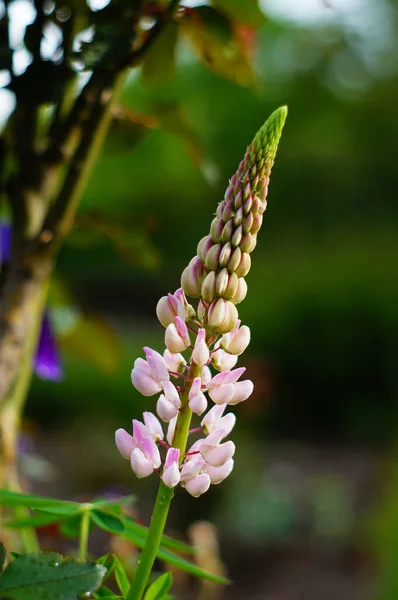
(49, 575)
(159, 587)
(107, 521)
(36, 520)
(159, 63)
(121, 577)
(105, 592)
(171, 558)
(117, 503)
(3, 557)
(60, 507)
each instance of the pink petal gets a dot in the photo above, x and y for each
(218, 474)
(243, 389)
(219, 456)
(141, 466)
(165, 409)
(198, 485)
(125, 443)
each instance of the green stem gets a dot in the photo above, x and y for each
(164, 497)
(84, 533)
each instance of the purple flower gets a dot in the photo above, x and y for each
(46, 364)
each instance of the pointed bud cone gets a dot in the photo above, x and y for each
(218, 474)
(227, 231)
(198, 485)
(142, 380)
(216, 228)
(225, 255)
(125, 443)
(171, 472)
(212, 257)
(232, 287)
(201, 310)
(248, 243)
(234, 261)
(141, 466)
(171, 430)
(171, 393)
(243, 389)
(240, 292)
(219, 456)
(238, 200)
(204, 246)
(238, 218)
(237, 340)
(198, 403)
(157, 366)
(222, 282)
(200, 352)
(244, 265)
(191, 278)
(206, 375)
(174, 362)
(166, 409)
(223, 361)
(153, 426)
(208, 291)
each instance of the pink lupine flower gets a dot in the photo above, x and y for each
(177, 336)
(174, 362)
(214, 419)
(197, 399)
(125, 443)
(195, 482)
(223, 361)
(221, 388)
(153, 426)
(139, 448)
(143, 380)
(237, 340)
(218, 474)
(171, 306)
(200, 353)
(168, 403)
(157, 366)
(171, 471)
(214, 453)
(243, 389)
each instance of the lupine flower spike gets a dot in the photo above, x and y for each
(202, 341)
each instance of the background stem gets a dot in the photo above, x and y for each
(84, 534)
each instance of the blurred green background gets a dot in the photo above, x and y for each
(311, 508)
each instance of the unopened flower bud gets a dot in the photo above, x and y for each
(201, 310)
(166, 409)
(206, 375)
(256, 225)
(247, 223)
(212, 257)
(227, 231)
(171, 471)
(232, 287)
(200, 352)
(225, 255)
(227, 212)
(171, 306)
(214, 420)
(125, 443)
(209, 288)
(171, 430)
(174, 362)
(234, 261)
(204, 246)
(237, 340)
(241, 291)
(140, 464)
(216, 228)
(191, 278)
(153, 426)
(244, 265)
(197, 399)
(222, 282)
(198, 485)
(142, 379)
(243, 389)
(248, 242)
(219, 456)
(177, 336)
(238, 218)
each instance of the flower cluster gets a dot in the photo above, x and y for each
(202, 346)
